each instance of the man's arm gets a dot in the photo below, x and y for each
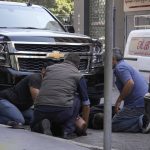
(34, 85)
(34, 93)
(85, 100)
(124, 93)
(85, 113)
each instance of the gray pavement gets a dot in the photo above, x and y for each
(120, 141)
(19, 139)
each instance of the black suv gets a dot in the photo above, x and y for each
(30, 36)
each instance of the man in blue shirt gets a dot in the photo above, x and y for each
(132, 87)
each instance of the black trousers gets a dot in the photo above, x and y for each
(61, 118)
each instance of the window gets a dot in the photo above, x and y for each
(142, 21)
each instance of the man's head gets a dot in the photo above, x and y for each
(74, 58)
(117, 56)
(44, 67)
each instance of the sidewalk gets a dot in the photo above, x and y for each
(19, 139)
(120, 141)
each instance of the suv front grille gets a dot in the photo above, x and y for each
(36, 64)
(50, 48)
(72, 40)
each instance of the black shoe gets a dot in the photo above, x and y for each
(15, 125)
(146, 125)
(147, 105)
(146, 117)
(69, 136)
(45, 127)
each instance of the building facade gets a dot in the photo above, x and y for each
(128, 15)
(137, 15)
(89, 19)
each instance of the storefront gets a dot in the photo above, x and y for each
(137, 15)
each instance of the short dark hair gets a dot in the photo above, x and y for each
(74, 58)
(117, 54)
(47, 64)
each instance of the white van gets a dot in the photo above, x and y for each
(137, 51)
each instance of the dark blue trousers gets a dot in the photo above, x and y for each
(63, 117)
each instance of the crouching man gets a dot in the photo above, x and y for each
(58, 101)
(16, 102)
(133, 117)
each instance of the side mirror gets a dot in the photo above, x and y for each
(69, 28)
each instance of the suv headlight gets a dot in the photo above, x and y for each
(97, 54)
(4, 56)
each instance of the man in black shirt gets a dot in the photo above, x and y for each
(16, 102)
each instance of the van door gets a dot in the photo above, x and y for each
(144, 66)
(138, 54)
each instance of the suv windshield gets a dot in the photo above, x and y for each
(13, 16)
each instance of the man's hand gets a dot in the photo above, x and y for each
(127, 88)
(117, 104)
(34, 93)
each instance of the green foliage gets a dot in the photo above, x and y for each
(63, 7)
(46, 3)
(18, 1)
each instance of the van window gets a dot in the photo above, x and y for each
(140, 46)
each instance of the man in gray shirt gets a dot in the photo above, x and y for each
(58, 99)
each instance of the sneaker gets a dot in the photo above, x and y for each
(15, 125)
(45, 127)
(146, 125)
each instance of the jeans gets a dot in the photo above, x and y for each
(128, 120)
(62, 116)
(9, 112)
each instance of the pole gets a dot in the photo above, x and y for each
(108, 74)
(114, 34)
(114, 29)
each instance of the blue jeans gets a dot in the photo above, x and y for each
(128, 120)
(63, 116)
(9, 112)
